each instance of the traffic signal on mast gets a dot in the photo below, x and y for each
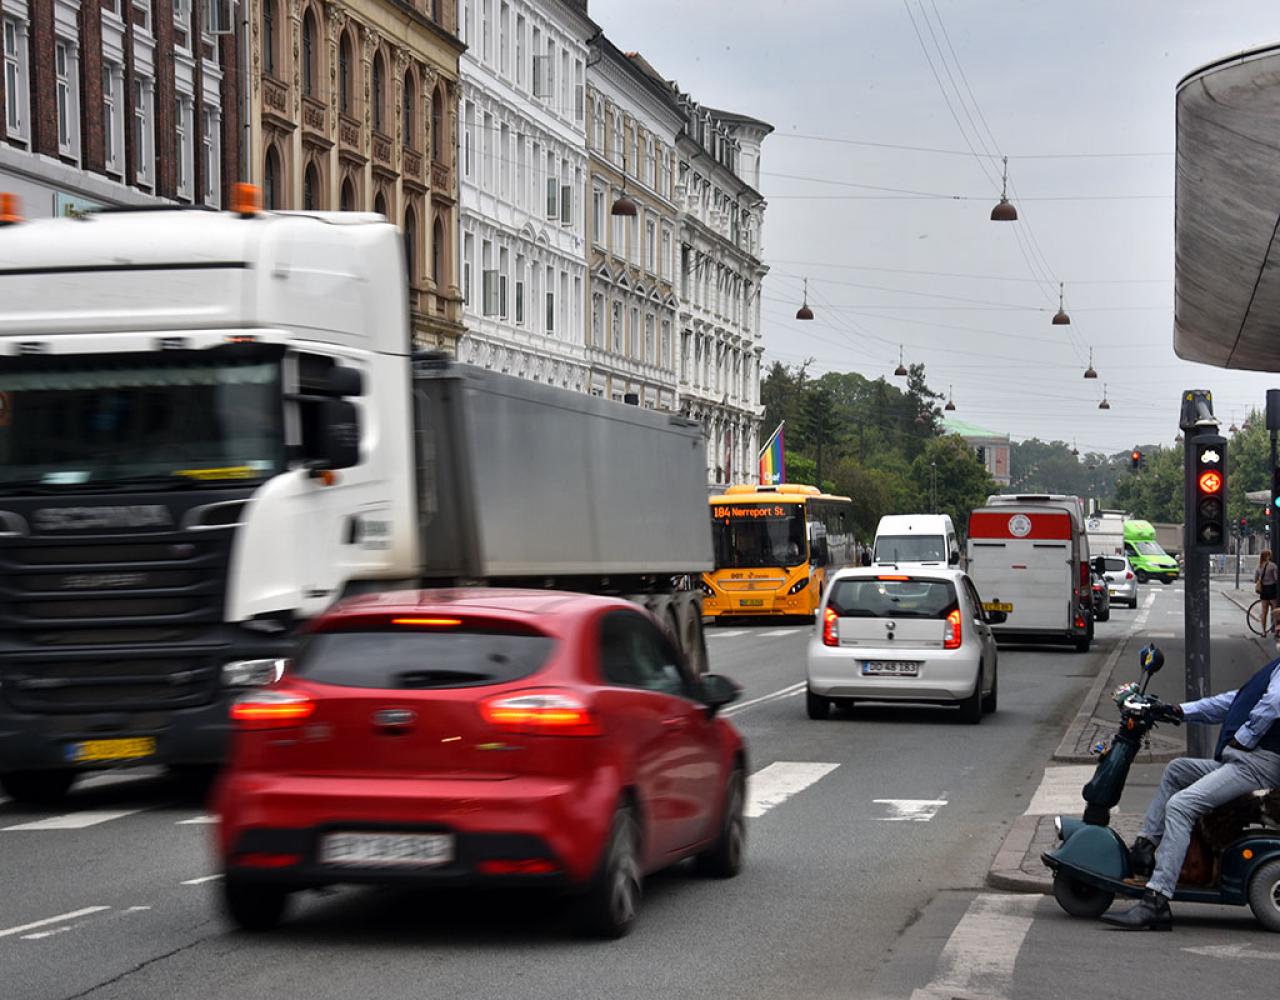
(1244, 525)
(1275, 490)
(1209, 488)
(1135, 460)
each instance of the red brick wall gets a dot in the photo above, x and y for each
(165, 124)
(43, 79)
(93, 150)
(228, 51)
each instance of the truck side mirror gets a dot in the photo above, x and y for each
(954, 560)
(339, 435)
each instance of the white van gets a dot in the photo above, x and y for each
(1029, 557)
(916, 540)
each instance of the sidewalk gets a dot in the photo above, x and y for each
(1017, 866)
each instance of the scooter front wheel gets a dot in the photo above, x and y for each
(1080, 899)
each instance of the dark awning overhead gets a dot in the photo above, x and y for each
(1227, 213)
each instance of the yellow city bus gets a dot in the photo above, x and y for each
(774, 546)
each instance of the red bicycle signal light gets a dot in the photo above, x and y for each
(1210, 481)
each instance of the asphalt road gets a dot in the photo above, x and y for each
(871, 840)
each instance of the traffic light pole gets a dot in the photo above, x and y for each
(1273, 425)
(1197, 418)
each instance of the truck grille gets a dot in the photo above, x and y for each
(85, 685)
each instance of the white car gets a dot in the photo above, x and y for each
(1121, 581)
(912, 635)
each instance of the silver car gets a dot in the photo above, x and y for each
(916, 635)
(1122, 583)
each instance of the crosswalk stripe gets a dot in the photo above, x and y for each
(978, 959)
(773, 785)
(73, 821)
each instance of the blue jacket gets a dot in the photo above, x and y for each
(1248, 715)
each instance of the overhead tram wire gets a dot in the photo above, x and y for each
(903, 147)
(955, 274)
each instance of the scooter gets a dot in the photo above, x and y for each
(1234, 856)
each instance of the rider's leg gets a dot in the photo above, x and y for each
(1237, 776)
(1179, 774)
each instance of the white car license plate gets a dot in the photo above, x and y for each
(891, 668)
(1112, 592)
(398, 850)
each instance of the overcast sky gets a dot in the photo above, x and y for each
(1088, 76)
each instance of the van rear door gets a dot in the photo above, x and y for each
(1025, 558)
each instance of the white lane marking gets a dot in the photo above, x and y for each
(1060, 790)
(44, 934)
(74, 821)
(979, 957)
(773, 785)
(196, 821)
(775, 633)
(732, 633)
(201, 880)
(1233, 951)
(910, 810)
(786, 692)
(60, 918)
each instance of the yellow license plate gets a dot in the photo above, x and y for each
(751, 602)
(91, 751)
(1004, 606)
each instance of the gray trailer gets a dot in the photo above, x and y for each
(523, 484)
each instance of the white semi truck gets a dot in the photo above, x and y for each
(213, 426)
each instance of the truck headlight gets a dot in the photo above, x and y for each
(252, 673)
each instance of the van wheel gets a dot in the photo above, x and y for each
(989, 700)
(817, 706)
(1082, 644)
(1141, 574)
(971, 707)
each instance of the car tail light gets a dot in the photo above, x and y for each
(549, 712)
(517, 866)
(258, 859)
(952, 635)
(830, 635)
(1080, 622)
(1128, 576)
(271, 709)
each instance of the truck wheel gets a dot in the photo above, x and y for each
(38, 788)
(1166, 581)
(1082, 643)
(1080, 899)
(693, 641)
(1141, 574)
(253, 906)
(1264, 895)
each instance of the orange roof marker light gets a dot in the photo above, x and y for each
(429, 622)
(10, 210)
(246, 200)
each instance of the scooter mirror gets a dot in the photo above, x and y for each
(1151, 659)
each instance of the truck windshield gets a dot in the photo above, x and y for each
(1149, 548)
(73, 421)
(759, 535)
(910, 548)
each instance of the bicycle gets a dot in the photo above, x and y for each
(1254, 617)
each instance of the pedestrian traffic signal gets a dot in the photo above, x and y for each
(1244, 525)
(1210, 489)
(1135, 459)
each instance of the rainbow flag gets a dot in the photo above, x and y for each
(773, 462)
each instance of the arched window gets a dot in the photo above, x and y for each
(344, 74)
(271, 180)
(437, 253)
(310, 71)
(377, 92)
(410, 245)
(380, 204)
(437, 126)
(407, 110)
(347, 199)
(311, 188)
(269, 36)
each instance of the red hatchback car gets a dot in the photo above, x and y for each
(480, 737)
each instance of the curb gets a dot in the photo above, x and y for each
(1006, 871)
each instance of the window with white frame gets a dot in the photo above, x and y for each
(579, 93)
(635, 331)
(564, 302)
(519, 289)
(489, 276)
(615, 327)
(551, 300)
(617, 151)
(142, 19)
(16, 97)
(597, 319)
(468, 255)
(597, 124)
(665, 261)
(664, 173)
(486, 30)
(553, 188)
(650, 325)
(466, 22)
(110, 136)
(144, 149)
(651, 246)
(488, 139)
(665, 359)
(597, 217)
(68, 96)
(504, 261)
(468, 140)
(182, 21)
(185, 149)
(650, 162)
(520, 53)
(522, 165)
(619, 231)
(211, 150)
(504, 40)
(504, 159)
(565, 82)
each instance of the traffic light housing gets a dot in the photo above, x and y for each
(1209, 489)
(1135, 460)
(1244, 525)
(1275, 490)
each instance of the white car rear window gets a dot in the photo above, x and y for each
(876, 598)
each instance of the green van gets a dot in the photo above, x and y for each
(1149, 560)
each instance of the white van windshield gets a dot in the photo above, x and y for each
(910, 548)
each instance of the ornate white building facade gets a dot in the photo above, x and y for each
(523, 169)
(722, 221)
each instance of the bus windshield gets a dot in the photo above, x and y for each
(910, 548)
(759, 535)
(102, 420)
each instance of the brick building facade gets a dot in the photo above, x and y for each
(116, 102)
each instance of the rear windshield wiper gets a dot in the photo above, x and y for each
(440, 678)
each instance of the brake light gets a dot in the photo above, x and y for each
(272, 709)
(258, 859)
(428, 622)
(1128, 576)
(894, 577)
(830, 637)
(517, 866)
(1080, 622)
(549, 712)
(952, 635)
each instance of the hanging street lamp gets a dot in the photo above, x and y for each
(901, 370)
(951, 403)
(1104, 405)
(804, 312)
(1060, 318)
(1004, 210)
(1089, 372)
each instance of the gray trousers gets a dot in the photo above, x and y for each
(1192, 787)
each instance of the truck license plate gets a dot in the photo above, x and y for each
(396, 850)
(891, 668)
(93, 751)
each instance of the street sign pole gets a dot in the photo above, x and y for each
(1196, 418)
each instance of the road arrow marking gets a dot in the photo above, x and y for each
(1233, 951)
(910, 810)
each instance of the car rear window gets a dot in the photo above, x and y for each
(1114, 564)
(420, 659)
(872, 598)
